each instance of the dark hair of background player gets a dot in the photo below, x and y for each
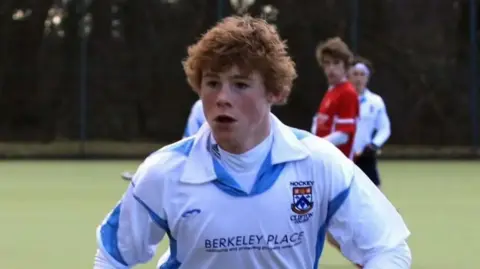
(335, 48)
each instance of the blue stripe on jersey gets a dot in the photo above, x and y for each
(199, 123)
(186, 133)
(300, 134)
(320, 244)
(184, 146)
(267, 175)
(108, 234)
(159, 221)
(333, 206)
(172, 262)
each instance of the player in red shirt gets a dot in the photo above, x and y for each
(338, 112)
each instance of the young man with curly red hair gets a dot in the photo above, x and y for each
(247, 191)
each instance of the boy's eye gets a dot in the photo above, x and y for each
(212, 83)
(360, 74)
(241, 85)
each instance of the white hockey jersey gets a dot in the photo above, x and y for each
(305, 187)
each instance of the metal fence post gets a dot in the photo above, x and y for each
(354, 25)
(220, 9)
(83, 31)
(473, 73)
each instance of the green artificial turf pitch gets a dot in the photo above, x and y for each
(49, 211)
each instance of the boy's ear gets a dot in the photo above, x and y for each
(274, 98)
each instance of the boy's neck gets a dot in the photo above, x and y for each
(340, 81)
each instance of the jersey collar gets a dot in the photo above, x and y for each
(198, 169)
(363, 97)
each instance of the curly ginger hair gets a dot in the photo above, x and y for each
(249, 43)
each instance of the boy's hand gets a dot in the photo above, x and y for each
(127, 176)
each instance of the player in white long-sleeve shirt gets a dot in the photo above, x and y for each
(248, 191)
(195, 120)
(373, 127)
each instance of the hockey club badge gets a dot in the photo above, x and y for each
(302, 200)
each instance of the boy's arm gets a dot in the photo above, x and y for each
(366, 225)
(382, 125)
(345, 120)
(337, 138)
(313, 128)
(348, 109)
(129, 235)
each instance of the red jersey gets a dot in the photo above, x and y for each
(339, 111)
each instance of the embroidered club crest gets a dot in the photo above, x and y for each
(302, 200)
